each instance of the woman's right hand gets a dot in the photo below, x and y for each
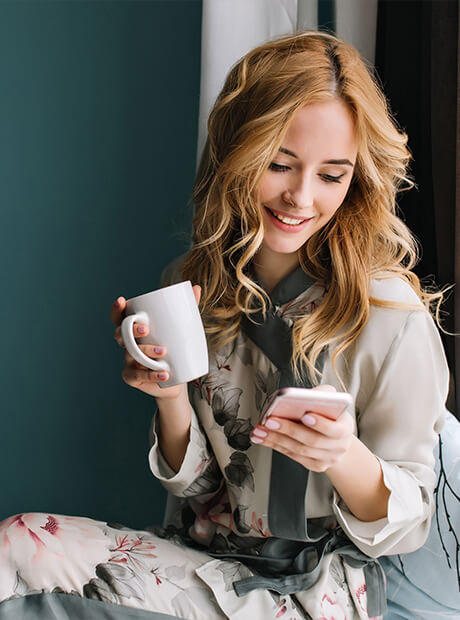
(136, 375)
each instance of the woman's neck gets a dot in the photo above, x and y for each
(271, 267)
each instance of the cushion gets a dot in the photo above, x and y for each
(426, 583)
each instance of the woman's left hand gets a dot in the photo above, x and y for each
(316, 442)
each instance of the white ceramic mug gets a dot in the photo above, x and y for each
(174, 322)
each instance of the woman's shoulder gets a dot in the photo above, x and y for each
(393, 289)
(394, 307)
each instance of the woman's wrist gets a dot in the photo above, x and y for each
(174, 417)
(358, 479)
(174, 406)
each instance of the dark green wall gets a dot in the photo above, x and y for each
(98, 121)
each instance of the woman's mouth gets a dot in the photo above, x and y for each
(288, 224)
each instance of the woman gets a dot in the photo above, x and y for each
(303, 276)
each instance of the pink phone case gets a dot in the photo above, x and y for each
(292, 403)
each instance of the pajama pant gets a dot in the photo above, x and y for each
(54, 566)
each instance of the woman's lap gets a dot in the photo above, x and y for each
(54, 553)
(42, 553)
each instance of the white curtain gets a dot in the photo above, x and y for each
(230, 28)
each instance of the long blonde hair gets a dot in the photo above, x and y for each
(363, 239)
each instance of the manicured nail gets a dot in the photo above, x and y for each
(272, 424)
(308, 419)
(158, 350)
(259, 432)
(141, 329)
(162, 375)
(255, 439)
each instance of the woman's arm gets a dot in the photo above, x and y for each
(386, 476)
(329, 446)
(174, 419)
(358, 479)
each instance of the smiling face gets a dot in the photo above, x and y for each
(308, 179)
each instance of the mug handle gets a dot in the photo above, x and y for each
(132, 346)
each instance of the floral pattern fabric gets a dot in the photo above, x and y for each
(221, 493)
(44, 553)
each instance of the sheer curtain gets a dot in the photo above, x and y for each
(230, 28)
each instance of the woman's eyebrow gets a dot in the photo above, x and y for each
(338, 162)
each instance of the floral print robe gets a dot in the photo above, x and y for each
(230, 498)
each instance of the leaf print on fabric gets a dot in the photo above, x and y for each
(21, 587)
(265, 384)
(304, 304)
(112, 582)
(208, 482)
(331, 610)
(176, 573)
(239, 471)
(238, 433)
(244, 349)
(238, 519)
(225, 404)
(132, 550)
(216, 378)
(221, 358)
(232, 571)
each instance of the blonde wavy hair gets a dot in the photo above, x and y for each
(365, 238)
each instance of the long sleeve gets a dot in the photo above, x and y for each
(199, 473)
(400, 414)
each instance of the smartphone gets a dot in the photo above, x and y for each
(292, 403)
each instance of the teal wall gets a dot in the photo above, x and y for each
(98, 120)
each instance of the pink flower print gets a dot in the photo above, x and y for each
(304, 304)
(257, 525)
(51, 525)
(157, 579)
(132, 551)
(35, 546)
(360, 592)
(282, 608)
(204, 461)
(331, 610)
(281, 612)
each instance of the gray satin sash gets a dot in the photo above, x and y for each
(291, 560)
(288, 479)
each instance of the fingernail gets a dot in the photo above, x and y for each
(141, 329)
(162, 375)
(255, 439)
(158, 349)
(272, 424)
(308, 419)
(259, 432)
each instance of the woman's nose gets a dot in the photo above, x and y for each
(300, 193)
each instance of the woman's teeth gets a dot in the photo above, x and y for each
(286, 220)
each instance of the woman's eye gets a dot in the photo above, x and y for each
(278, 167)
(331, 179)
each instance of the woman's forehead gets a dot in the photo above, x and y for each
(322, 130)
